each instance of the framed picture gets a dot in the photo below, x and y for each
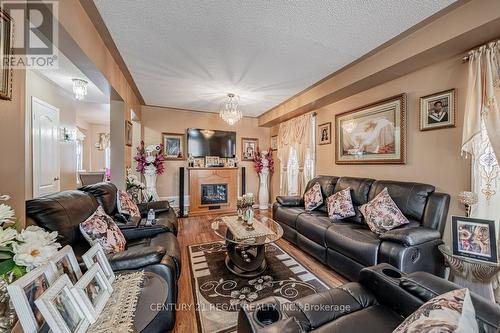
(25, 291)
(173, 145)
(474, 238)
(230, 163)
(128, 133)
(211, 161)
(372, 134)
(96, 254)
(274, 142)
(61, 309)
(199, 162)
(437, 110)
(64, 262)
(92, 292)
(249, 148)
(6, 42)
(325, 133)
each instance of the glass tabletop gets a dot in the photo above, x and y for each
(272, 229)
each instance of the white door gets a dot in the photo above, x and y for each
(45, 125)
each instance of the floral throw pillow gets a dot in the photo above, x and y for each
(449, 312)
(313, 197)
(381, 214)
(126, 205)
(340, 205)
(100, 228)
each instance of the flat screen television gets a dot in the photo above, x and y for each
(203, 142)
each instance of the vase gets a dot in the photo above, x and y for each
(264, 187)
(150, 193)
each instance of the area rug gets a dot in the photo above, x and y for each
(219, 294)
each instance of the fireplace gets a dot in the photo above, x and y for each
(212, 194)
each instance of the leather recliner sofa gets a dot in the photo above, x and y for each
(348, 245)
(379, 302)
(147, 248)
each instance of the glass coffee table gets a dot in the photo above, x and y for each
(246, 256)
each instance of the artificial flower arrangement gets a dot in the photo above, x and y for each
(150, 155)
(22, 251)
(259, 159)
(133, 182)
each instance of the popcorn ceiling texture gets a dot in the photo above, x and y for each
(189, 54)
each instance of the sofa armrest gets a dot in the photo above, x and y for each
(136, 258)
(157, 206)
(144, 232)
(290, 201)
(289, 325)
(411, 236)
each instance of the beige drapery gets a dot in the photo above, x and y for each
(296, 134)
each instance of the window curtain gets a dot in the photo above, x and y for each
(296, 154)
(481, 134)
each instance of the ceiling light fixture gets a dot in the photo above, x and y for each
(80, 88)
(229, 111)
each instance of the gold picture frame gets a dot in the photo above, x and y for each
(249, 147)
(438, 110)
(325, 133)
(128, 133)
(6, 42)
(174, 146)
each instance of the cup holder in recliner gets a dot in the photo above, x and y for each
(267, 314)
(392, 273)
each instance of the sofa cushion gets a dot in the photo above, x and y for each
(100, 228)
(287, 215)
(105, 194)
(313, 198)
(353, 240)
(359, 188)
(327, 184)
(340, 206)
(382, 214)
(410, 198)
(313, 227)
(126, 205)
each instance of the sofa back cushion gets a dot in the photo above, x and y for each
(411, 198)
(62, 212)
(360, 187)
(327, 184)
(105, 194)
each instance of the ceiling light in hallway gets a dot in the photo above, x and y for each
(80, 88)
(229, 111)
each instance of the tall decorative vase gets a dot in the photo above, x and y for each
(150, 177)
(264, 184)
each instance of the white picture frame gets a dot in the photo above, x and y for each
(64, 262)
(25, 291)
(93, 281)
(96, 254)
(61, 309)
(212, 161)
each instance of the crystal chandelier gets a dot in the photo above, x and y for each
(80, 88)
(229, 111)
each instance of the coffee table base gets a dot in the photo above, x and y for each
(243, 273)
(245, 261)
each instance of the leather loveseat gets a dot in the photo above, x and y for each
(379, 302)
(349, 245)
(148, 248)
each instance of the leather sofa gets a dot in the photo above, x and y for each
(153, 249)
(379, 302)
(349, 245)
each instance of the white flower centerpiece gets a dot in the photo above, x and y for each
(134, 186)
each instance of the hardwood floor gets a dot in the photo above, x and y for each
(196, 230)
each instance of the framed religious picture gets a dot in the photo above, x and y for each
(325, 133)
(6, 44)
(372, 134)
(474, 238)
(173, 145)
(438, 110)
(128, 133)
(64, 262)
(248, 148)
(274, 142)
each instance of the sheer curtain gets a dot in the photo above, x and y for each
(296, 154)
(481, 136)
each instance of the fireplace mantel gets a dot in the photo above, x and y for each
(223, 180)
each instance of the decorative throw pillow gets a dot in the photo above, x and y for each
(340, 205)
(381, 214)
(100, 228)
(313, 197)
(449, 312)
(126, 205)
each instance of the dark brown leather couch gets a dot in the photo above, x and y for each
(349, 245)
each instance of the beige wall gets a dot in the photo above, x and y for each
(156, 120)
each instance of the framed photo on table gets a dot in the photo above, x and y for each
(249, 148)
(474, 238)
(325, 133)
(64, 262)
(372, 134)
(96, 254)
(25, 291)
(438, 110)
(173, 146)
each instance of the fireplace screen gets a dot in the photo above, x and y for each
(213, 194)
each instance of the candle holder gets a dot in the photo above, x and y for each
(467, 199)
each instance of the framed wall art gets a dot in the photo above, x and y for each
(173, 145)
(438, 110)
(6, 43)
(64, 262)
(474, 238)
(274, 142)
(325, 133)
(372, 134)
(249, 148)
(128, 133)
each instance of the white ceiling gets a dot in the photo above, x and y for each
(191, 53)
